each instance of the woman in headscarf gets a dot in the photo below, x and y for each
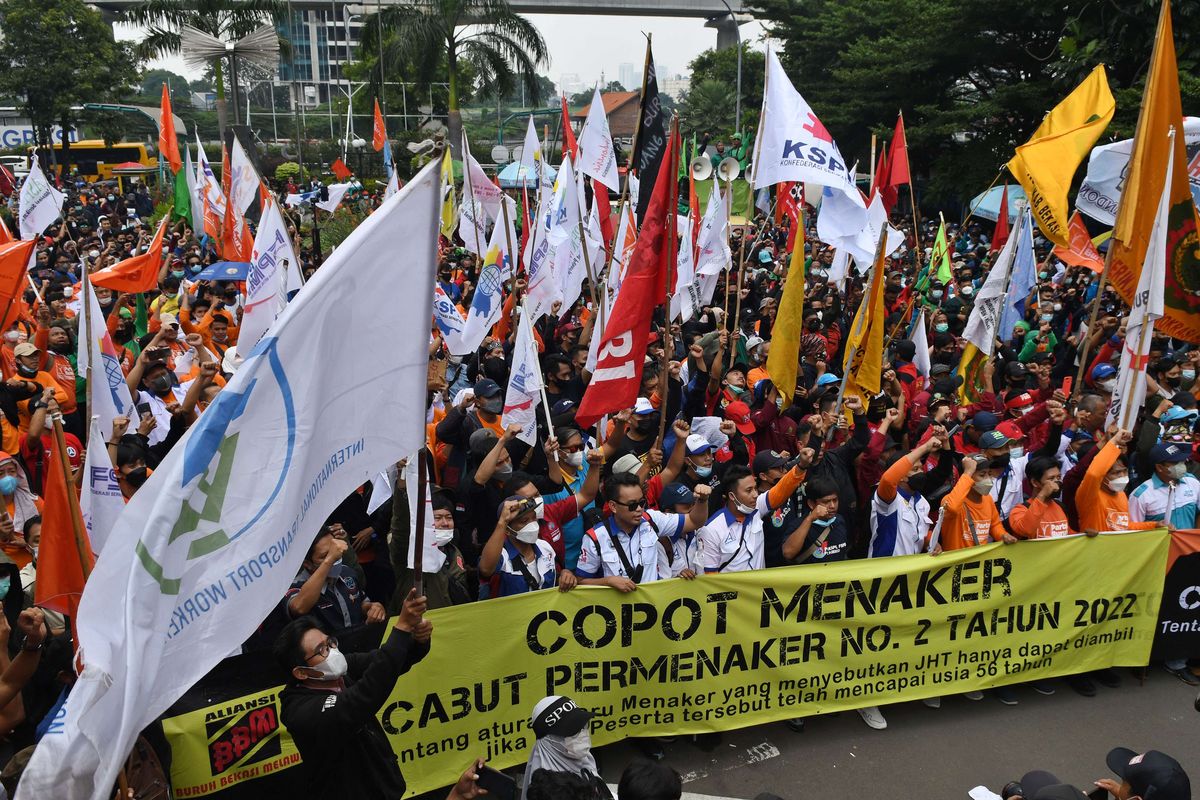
(20, 505)
(563, 744)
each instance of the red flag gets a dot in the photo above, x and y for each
(883, 182)
(618, 375)
(137, 273)
(60, 571)
(569, 145)
(14, 263)
(168, 145)
(526, 224)
(1000, 236)
(604, 212)
(8, 183)
(5, 235)
(340, 169)
(379, 133)
(783, 191)
(898, 173)
(1082, 253)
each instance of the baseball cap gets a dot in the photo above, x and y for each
(767, 459)
(1058, 791)
(627, 463)
(1103, 372)
(25, 349)
(482, 441)
(947, 385)
(558, 716)
(992, 440)
(1015, 369)
(168, 319)
(675, 493)
(643, 406)
(1177, 413)
(939, 369)
(1150, 774)
(1011, 430)
(905, 349)
(486, 387)
(1034, 781)
(827, 378)
(764, 256)
(984, 421)
(562, 407)
(739, 413)
(697, 444)
(753, 342)
(1169, 453)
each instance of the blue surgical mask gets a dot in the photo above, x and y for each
(702, 472)
(942, 327)
(8, 484)
(824, 523)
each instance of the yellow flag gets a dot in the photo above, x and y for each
(1161, 110)
(970, 370)
(784, 358)
(865, 372)
(449, 200)
(1046, 163)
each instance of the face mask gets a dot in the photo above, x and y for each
(1107, 386)
(333, 667)
(527, 533)
(159, 383)
(493, 406)
(1172, 382)
(823, 523)
(1117, 484)
(440, 537)
(1047, 318)
(984, 486)
(575, 459)
(8, 484)
(967, 291)
(1188, 374)
(68, 292)
(738, 391)
(178, 273)
(1058, 306)
(578, 745)
(942, 327)
(936, 294)
(26, 372)
(11, 336)
(93, 253)
(702, 472)
(647, 423)
(744, 509)
(1043, 275)
(814, 324)
(1016, 452)
(1175, 472)
(6, 582)
(504, 470)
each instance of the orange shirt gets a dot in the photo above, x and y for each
(757, 374)
(958, 508)
(1038, 519)
(46, 381)
(1100, 508)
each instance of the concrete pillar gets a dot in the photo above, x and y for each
(727, 31)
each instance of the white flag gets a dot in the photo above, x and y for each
(524, 384)
(543, 284)
(921, 342)
(210, 544)
(477, 185)
(597, 156)
(266, 280)
(685, 300)
(565, 239)
(472, 225)
(981, 326)
(393, 184)
(623, 245)
(713, 239)
(531, 150)
(243, 180)
(100, 501)
(854, 229)
(449, 322)
(197, 203)
(487, 304)
(793, 145)
(336, 192)
(1130, 392)
(41, 203)
(208, 187)
(109, 396)
(431, 557)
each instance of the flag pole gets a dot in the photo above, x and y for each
(859, 322)
(672, 233)
(1141, 375)
(419, 543)
(871, 185)
(545, 401)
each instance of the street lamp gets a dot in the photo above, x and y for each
(737, 113)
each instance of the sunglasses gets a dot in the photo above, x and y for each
(632, 505)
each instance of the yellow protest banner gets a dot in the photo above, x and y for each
(729, 651)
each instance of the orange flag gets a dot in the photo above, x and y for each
(1081, 253)
(14, 264)
(5, 235)
(60, 572)
(339, 168)
(236, 242)
(379, 134)
(168, 146)
(137, 273)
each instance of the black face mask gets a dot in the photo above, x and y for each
(814, 325)
(1172, 382)
(137, 477)
(647, 423)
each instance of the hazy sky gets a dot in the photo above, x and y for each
(587, 45)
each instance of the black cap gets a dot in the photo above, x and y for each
(674, 494)
(1015, 369)
(1036, 780)
(766, 460)
(486, 387)
(1150, 774)
(905, 349)
(562, 407)
(984, 421)
(1058, 791)
(558, 716)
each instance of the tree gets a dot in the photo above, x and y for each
(228, 20)
(98, 69)
(151, 81)
(721, 66)
(498, 43)
(707, 107)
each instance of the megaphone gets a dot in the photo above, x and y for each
(701, 168)
(729, 169)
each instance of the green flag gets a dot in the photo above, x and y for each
(941, 256)
(141, 320)
(183, 199)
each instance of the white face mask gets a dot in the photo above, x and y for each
(1016, 452)
(1117, 484)
(742, 508)
(984, 485)
(333, 667)
(440, 537)
(527, 533)
(579, 745)
(1176, 471)
(1107, 386)
(68, 291)
(575, 459)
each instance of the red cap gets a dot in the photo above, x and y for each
(739, 413)
(1019, 401)
(1010, 429)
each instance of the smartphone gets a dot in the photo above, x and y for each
(1068, 382)
(496, 783)
(143, 408)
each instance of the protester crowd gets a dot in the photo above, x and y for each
(708, 472)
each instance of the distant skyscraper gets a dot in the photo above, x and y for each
(569, 83)
(629, 77)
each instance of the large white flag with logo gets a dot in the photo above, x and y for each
(209, 545)
(208, 188)
(524, 384)
(243, 180)
(41, 203)
(478, 185)
(793, 145)
(597, 156)
(108, 395)
(449, 322)
(272, 259)
(487, 303)
(531, 150)
(1129, 395)
(100, 500)
(565, 236)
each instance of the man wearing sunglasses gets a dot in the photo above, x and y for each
(622, 551)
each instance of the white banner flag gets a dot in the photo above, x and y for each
(712, 241)
(981, 326)
(208, 188)
(243, 180)
(336, 192)
(266, 280)
(597, 155)
(477, 185)
(920, 341)
(793, 144)
(108, 396)
(41, 203)
(524, 384)
(100, 500)
(531, 150)
(431, 557)
(488, 300)
(685, 300)
(210, 544)
(449, 322)
(565, 239)
(1129, 395)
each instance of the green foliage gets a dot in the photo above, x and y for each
(720, 66)
(227, 20)
(150, 86)
(55, 54)
(286, 170)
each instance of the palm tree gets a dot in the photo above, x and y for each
(498, 44)
(227, 20)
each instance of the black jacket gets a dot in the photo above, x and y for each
(345, 752)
